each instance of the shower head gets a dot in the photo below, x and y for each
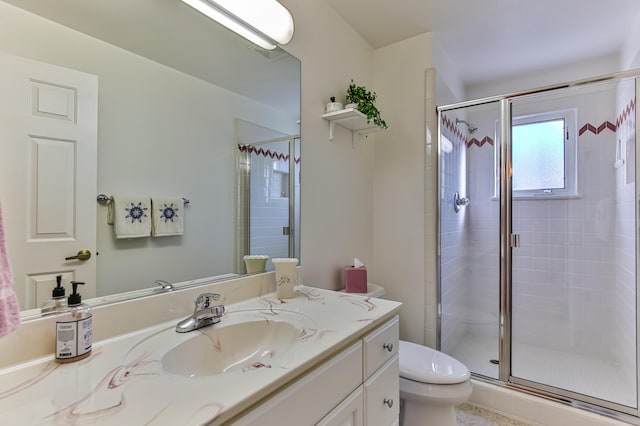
(472, 128)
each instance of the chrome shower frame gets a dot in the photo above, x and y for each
(602, 407)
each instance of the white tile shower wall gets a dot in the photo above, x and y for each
(454, 273)
(625, 247)
(483, 228)
(564, 272)
(483, 239)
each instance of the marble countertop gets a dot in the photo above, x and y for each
(124, 382)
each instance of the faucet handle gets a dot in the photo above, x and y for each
(165, 285)
(204, 300)
(217, 311)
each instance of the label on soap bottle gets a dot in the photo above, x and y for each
(73, 338)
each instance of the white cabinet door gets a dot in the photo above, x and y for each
(382, 395)
(48, 135)
(309, 399)
(350, 412)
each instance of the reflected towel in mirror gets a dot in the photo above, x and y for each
(167, 216)
(9, 308)
(130, 216)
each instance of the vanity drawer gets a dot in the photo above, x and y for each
(380, 346)
(382, 395)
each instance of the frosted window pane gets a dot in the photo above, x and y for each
(538, 156)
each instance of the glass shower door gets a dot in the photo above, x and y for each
(469, 238)
(573, 272)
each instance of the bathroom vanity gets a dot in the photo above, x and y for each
(358, 386)
(322, 357)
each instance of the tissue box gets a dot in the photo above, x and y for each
(355, 279)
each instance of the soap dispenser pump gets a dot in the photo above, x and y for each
(74, 331)
(58, 302)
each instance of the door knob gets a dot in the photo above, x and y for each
(82, 255)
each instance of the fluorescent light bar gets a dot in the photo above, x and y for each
(267, 16)
(262, 22)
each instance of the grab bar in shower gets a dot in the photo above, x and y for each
(459, 202)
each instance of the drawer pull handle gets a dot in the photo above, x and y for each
(388, 402)
(388, 346)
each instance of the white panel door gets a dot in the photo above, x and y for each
(48, 136)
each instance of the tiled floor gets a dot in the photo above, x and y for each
(470, 415)
(574, 372)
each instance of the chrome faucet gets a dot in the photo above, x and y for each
(164, 285)
(204, 313)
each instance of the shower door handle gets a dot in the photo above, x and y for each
(515, 240)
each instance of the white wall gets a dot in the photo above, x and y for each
(399, 180)
(337, 185)
(355, 204)
(450, 88)
(545, 77)
(630, 55)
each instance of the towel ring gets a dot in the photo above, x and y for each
(103, 200)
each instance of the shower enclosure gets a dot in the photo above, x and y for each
(538, 216)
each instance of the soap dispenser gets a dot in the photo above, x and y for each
(74, 330)
(58, 302)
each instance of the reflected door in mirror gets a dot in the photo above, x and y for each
(48, 130)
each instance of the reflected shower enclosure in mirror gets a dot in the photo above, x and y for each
(269, 192)
(171, 86)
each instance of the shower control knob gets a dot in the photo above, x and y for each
(388, 346)
(388, 402)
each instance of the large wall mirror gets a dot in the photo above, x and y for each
(165, 98)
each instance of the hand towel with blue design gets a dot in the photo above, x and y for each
(167, 217)
(131, 216)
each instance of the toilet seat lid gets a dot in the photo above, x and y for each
(426, 365)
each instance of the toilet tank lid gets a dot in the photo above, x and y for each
(373, 290)
(426, 365)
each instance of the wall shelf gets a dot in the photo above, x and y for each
(350, 119)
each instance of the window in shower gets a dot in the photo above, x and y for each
(544, 154)
(538, 156)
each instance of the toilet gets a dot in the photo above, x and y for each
(432, 383)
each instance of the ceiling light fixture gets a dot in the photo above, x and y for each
(266, 23)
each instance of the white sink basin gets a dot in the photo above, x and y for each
(243, 341)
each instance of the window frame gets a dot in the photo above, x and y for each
(569, 116)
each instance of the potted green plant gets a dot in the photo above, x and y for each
(366, 101)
